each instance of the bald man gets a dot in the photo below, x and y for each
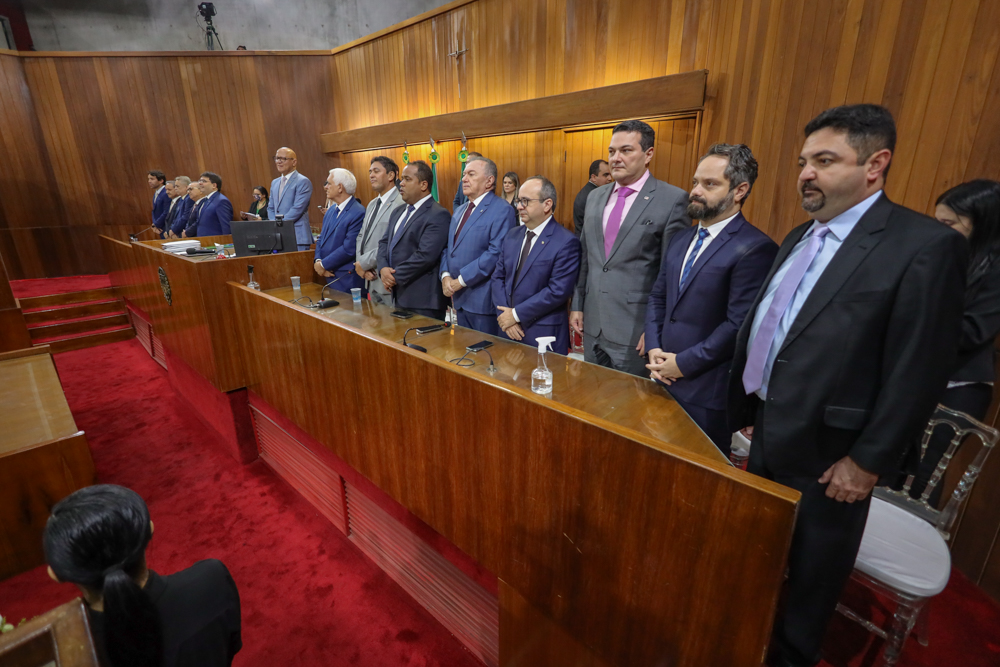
(290, 195)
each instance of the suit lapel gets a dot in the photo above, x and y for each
(476, 214)
(536, 249)
(639, 204)
(598, 224)
(677, 251)
(862, 239)
(408, 224)
(706, 256)
(511, 254)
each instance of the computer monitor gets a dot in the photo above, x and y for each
(262, 237)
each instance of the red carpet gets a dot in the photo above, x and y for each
(44, 286)
(309, 597)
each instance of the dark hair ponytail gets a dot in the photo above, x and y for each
(978, 200)
(97, 538)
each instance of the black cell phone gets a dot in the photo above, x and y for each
(402, 314)
(481, 345)
(429, 329)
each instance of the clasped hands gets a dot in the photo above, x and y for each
(318, 268)
(367, 275)
(508, 324)
(663, 366)
(450, 286)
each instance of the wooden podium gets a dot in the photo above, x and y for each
(618, 532)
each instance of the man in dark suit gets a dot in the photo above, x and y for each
(409, 253)
(189, 226)
(157, 181)
(626, 227)
(474, 237)
(709, 277)
(600, 174)
(537, 270)
(179, 212)
(338, 240)
(217, 211)
(843, 355)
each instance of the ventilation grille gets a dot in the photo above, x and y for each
(143, 331)
(306, 472)
(158, 355)
(462, 606)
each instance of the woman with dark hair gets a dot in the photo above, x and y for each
(511, 184)
(96, 538)
(258, 209)
(973, 210)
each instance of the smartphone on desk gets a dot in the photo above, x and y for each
(481, 345)
(429, 329)
(402, 314)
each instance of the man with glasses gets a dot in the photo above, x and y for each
(290, 196)
(474, 237)
(217, 211)
(537, 270)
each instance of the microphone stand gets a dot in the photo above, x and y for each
(135, 237)
(325, 303)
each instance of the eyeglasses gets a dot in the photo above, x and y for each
(282, 159)
(524, 201)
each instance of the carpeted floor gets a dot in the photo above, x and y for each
(309, 597)
(44, 286)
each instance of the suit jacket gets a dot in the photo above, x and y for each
(474, 255)
(416, 256)
(168, 220)
(699, 323)
(216, 214)
(869, 353)
(180, 214)
(612, 291)
(980, 325)
(580, 206)
(545, 284)
(161, 204)
(191, 226)
(337, 243)
(372, 231)
(293, 203)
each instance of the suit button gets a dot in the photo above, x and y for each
(605, 269)
(673, 320)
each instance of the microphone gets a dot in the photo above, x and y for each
(135, 237)
(279, 219)
(326, 303)
(200, 251)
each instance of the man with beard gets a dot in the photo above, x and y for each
(709, 276)
(843, 356)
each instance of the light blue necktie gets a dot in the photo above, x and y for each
(702, 235)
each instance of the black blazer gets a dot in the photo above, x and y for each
(199, 612)
(416, 256)
(980, 325)
(867, 357)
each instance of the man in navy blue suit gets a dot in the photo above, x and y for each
(188, 227)
(409, 253)
(474, 237)
(337, 244)
(537, 270)
(709, 277)
(217, 212)
(179, 211)
(157, 181)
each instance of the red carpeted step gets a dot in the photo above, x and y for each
(44, 286)
(73, 311)
(66, 298)
(89, 339)
(81, 325)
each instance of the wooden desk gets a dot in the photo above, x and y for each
(59, 637)
(618, 532)
(43, 456)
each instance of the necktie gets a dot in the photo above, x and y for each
(400, 228)
(371, 222)
(702, 235)
(281, 190)
(465, 218)
(615, 221)
(524, 254)
(753, 372)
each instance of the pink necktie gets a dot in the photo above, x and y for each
(753, 372)
(615, 220)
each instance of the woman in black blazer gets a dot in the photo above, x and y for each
(972, 209)
(96, 538)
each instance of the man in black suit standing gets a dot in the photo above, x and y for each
(843, 356)
(409, 253)
(600, 174)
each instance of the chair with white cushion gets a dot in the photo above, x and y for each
(904, 552)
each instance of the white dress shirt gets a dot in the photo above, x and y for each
(476, 202)
(537, 234)
(405, 218)
(713, 231)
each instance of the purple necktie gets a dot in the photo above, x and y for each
(753, 372)
(615, 220)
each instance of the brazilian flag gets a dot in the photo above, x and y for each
(435, 158)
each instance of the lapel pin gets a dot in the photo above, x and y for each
(645, 197)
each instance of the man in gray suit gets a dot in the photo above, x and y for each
(626, 227)
(382, 173)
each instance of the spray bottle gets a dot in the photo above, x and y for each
(541, 377)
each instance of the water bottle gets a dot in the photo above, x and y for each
(541, 377)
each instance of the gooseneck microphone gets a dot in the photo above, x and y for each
(420, 332)
(326, 303)
(135, 237)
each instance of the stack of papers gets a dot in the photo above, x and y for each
(180, 247)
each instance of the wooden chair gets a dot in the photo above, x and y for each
(904, 553)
